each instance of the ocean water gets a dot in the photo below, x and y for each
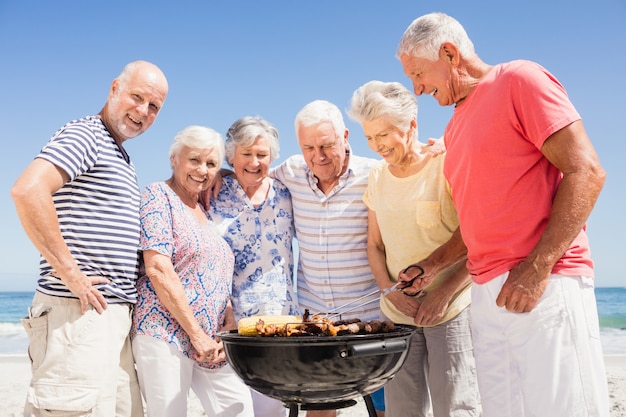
(612, 314)
(13, 306)
(611, 310)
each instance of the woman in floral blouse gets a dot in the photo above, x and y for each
(253, 213)
(184, 289)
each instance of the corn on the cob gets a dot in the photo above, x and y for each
(247, 325)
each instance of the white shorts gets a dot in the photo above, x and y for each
(166, 376)
(265, 406)
(547, 362)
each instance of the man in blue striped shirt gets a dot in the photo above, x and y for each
(78, 202)
(327, 183)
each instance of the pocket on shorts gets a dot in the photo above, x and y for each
(36, 326)
(428, 213)
(591, 310)
(62, 400)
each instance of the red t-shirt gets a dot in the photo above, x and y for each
(502, 185)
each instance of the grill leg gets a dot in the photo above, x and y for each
(294, 410)
(371, 411)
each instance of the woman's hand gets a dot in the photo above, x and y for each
(208, 350)
(169, 289)
(407, 305)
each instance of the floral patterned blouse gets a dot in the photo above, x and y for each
(261, 240)
(201, 258)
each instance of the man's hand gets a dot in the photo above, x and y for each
(84, 288)
(434, 147)
(421, 273)
(432, 308)
(523, 288)
(214, 188)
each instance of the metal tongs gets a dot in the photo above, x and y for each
(398, 286)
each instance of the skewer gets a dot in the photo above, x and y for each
(337, 310)
(337, 313)
(398, 286)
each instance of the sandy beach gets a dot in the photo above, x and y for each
(15, 371)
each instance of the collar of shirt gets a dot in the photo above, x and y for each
(343, 179)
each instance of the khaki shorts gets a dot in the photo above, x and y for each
(79, 361)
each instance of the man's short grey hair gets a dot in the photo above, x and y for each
(319, 111)
(424, 37)
(245, 131)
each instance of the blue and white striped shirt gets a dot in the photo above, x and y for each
(98, 209)
(331, 232)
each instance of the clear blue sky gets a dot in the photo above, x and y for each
(227, 59)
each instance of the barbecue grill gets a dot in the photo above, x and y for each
(318, 372)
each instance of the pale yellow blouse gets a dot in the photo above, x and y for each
(415, 216)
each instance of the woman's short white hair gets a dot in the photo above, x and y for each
(391, 101)
(198, 137)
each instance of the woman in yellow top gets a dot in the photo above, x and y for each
(411, 214)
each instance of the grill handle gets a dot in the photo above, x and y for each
(374, 348)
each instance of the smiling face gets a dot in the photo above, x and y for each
(447, 79)
(390, 142)
(194, 169)
(324, 152)
(134, 102)
(429, 77)
(252, 163)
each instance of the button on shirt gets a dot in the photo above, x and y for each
(331, 233)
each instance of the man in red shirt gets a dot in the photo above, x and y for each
(524, 178)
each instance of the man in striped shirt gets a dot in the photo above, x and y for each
(327, 183)
(78, 202)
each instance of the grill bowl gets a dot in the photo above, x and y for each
(317, 369)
